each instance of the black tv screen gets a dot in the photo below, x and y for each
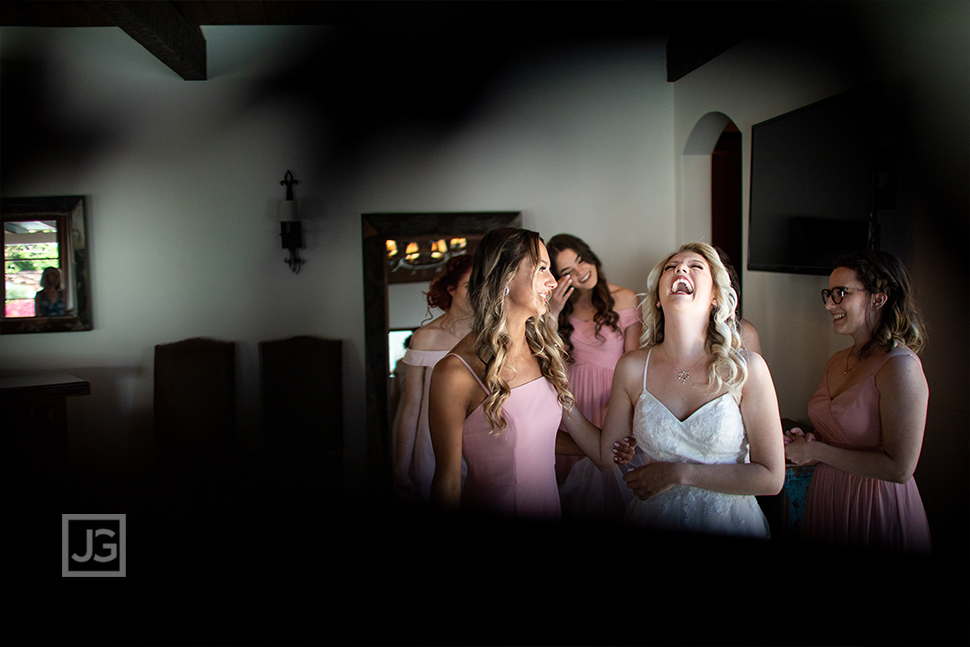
(813, 181)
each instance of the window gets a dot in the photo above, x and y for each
(29, 248)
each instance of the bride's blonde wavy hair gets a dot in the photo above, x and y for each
(497, 260)
(729, 368)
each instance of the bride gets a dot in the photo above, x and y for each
(703, 410)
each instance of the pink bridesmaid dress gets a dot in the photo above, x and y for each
(422, 460)
(587, 493)
(512, 473)
(848, 509)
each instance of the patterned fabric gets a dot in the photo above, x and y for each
(48, 308)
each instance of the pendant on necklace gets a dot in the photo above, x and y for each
(683, 376)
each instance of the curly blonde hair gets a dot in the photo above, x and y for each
(497, 260)
(729, 368)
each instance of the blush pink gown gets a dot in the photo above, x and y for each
(847, 509)
(512, 474)
(422, 460)
(587, 493)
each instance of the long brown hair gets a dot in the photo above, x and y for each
(900, 321)
(496, 261)
(603, 302)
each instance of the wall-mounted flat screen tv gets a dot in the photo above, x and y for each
(813, 182)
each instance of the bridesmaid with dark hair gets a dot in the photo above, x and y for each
(869, 413)
(592, 316)
(498, 398)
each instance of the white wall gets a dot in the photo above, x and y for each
(182, 180)
(919, 51)
(182, 177)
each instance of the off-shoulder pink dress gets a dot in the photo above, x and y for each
(512, 474)
(587, 493)
(422, 460)
(848, 509)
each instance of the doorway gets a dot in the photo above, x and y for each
(711, 188)
(726, 199)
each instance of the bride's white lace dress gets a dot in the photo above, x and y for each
(714, 434)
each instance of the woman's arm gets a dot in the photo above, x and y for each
(566, 446)
(763, 475)
(605, 448)
(406, 425)
(903, 401)
(631, 337)
(449, 397)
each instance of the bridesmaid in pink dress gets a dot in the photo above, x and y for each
(413, 455)
(593, 315)
(497, 399)
(869, 414)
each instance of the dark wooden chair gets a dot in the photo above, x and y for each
(195, 403)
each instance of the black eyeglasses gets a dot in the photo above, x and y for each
(837, 294)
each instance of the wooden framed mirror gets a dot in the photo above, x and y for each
(376, 230)
(47, 283)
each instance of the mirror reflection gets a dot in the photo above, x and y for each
(45, 270)
(35, 269)
(418, 260)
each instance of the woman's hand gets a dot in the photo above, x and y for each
(559, 296)
(649, 480)
(625, 450)
(796, 432)
(797, 448)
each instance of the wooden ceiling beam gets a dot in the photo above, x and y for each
(161, 29)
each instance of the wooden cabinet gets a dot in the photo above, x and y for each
(33, 411)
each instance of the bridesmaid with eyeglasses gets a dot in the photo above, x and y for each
(869, 413)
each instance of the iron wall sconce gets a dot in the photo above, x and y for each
(291, 230)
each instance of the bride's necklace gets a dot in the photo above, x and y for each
(684, 375)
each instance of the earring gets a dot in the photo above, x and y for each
(506, 290)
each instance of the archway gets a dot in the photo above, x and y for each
(712, 187)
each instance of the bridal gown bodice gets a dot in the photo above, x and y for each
(713, 434)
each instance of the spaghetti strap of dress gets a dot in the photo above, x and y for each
(645, 365)
(511, 472)
(470, 370)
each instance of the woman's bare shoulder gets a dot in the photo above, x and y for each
(457, 376)
(462, 356)
(623, 298)
(432, 336)
(903, 369)
(631, 363)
